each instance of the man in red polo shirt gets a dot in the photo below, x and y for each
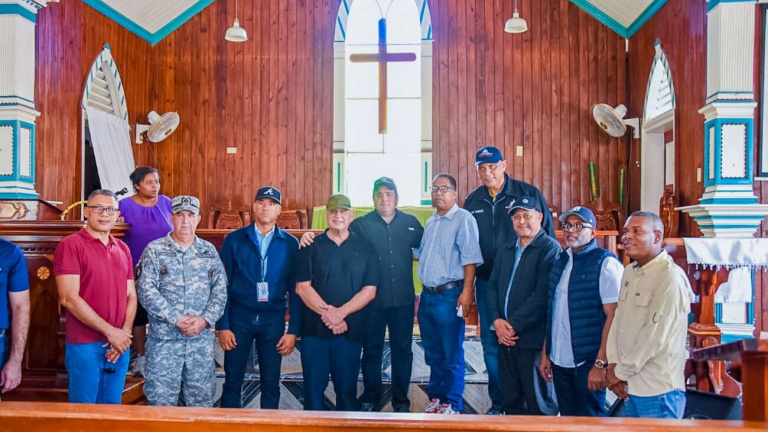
(95, 280)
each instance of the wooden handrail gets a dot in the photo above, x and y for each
(33, 417)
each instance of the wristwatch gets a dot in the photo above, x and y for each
(601, 364)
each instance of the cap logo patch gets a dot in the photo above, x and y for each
(525, 201)
(269, 192)
(577, 208)
(485, 153)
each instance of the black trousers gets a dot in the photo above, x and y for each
(573, 394)
(400, 323)
(516, 371)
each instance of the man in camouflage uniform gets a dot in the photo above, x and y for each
(183, 286)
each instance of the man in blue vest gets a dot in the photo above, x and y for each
(258, 261)
(583, 291)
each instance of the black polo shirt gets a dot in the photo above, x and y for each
(337, 273)
(393, 243)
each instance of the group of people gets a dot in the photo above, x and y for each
(575, 318)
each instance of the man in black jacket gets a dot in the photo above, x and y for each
(517, 298)
(488, 205)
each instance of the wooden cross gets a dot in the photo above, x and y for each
(382, 58)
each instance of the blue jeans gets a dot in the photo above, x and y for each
(266, 330)
(4, 353)
(573, 395)
(337, 356)
(490, 343)
(400, 323)
(88, 381)
(666, 405)
(442, 337)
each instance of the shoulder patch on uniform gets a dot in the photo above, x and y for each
(205, 254)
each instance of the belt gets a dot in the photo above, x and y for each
(442, 288)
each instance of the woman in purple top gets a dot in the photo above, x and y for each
(148, 215)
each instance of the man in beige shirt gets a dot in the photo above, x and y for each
(646, 343)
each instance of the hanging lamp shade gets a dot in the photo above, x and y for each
(516, 24)
(236, 33)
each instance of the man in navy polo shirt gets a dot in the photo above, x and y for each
(336, 277)
(488, 205)
(14, 313)
(258, 260)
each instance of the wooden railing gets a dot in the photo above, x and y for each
(33, 417)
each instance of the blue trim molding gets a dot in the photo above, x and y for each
(717, 179)
(14, 9)
(138, 30)
(13, 192)
(608, 21)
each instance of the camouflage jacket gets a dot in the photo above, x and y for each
(172, 282)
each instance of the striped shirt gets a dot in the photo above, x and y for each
(450, 242)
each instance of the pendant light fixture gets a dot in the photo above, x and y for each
(516, 24)
(236, 33)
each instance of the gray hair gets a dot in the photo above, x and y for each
(103, 192)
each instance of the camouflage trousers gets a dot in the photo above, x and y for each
(173, 363)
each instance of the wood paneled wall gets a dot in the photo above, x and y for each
(681, 27)
(69, 37)
(270, 97)
(534, 90)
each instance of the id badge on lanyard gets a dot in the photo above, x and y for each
(263, 289)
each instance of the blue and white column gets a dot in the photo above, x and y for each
(17, 94)
(729, 207)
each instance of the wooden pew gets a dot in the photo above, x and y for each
(33, 417)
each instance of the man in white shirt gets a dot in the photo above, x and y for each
(583, 291)
(646, 343)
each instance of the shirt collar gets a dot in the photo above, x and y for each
(84, 232)
(170, 243)
(661, 257)
(260, 235)
(449, 215)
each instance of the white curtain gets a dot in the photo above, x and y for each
(111, 141)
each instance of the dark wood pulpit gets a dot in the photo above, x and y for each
(753, 354)
(44, 377)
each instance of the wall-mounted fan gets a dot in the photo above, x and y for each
(159, 127)
(612, 120)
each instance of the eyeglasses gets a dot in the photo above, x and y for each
(578, 226)
(100, 209)
(441, 188)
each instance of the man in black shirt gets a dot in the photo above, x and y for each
(488, 205)
(393, 234)
(336, 277)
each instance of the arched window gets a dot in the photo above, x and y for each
(399, 146)
(658, 139)
(107, 156)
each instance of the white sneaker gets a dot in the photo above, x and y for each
(446, 409)
(433, 406)
(137, 366)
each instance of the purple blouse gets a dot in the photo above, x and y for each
(146, 223)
